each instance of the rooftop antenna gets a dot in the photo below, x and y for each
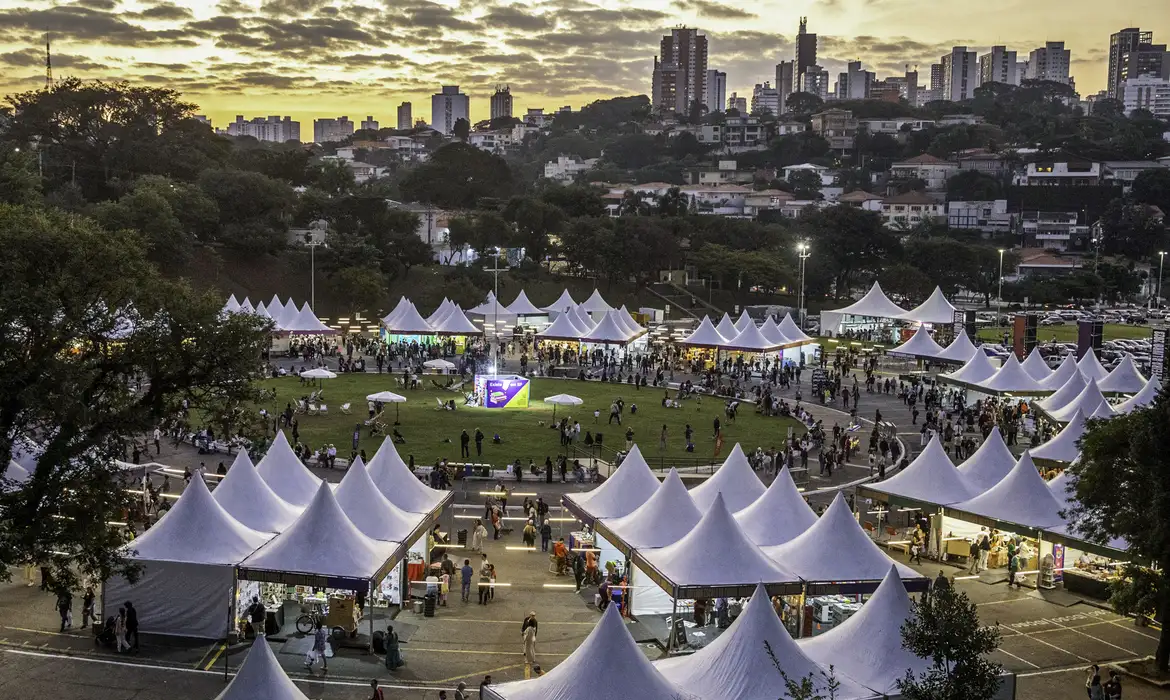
(48, 64)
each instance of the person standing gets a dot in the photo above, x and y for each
(485, 580)
(157, 441)
(466, 573)
(461, 691)
(478, 536)
(478, 442)
(578, 570)
(393, 650)
(257, 615)
(528, 632)
(662, 438)
(120, 630)
(545, 535)
(464, 442)
(87, 607)
(377, 694)
(317, 652)
(132, 625)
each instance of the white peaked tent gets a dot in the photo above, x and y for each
(290, 309)
(1065, 394)
(581, 320)
(835, 548)
(563, 303)
(726, 328)
(1103, 411)
(663, 519)
(930, 478)
(595, 304)
(306, 322)
(792, 331)
(285, 474)
(247, 498)
(990, 463)
(629, 321)
(261, 678)
(978, 369)
(1124, 379)
(232, 306)
(705, 336)
(1065, 371)
(523, 307)
(1035, 365)
(736, 665)
(777, 516)
(322, 544)
(752, 340)
(493, 310)
(960, 350)
(1063, 446)
(262, 311)
(919, 345)
(875, 304)
(370, 511)
(735, 479)
(441, 312)
(1091, 367)
(1086, 402)
(246, 306)
(1010, 379)
(936, 309)
(455, 322)
(715, 558)
(187, 557)
(1021, 497)
(561, 328)
(608, 665)
(771, 330)
(274, 304)
(623, 492)
(402, 305)
(851, 649)
(15, 473)
(743, 321)
(399, 485)
(629, 326)
(607, 330)
(409, 322)
(1145, 397)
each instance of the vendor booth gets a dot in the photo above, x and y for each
(735, 479)
(626, 489)
(872, 312)
(990, 463)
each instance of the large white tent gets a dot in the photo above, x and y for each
(409, 322)
(875, 304)
(860, 647)
(287, 475)
(370, 511)
(563, 303)
(930, 478)
(726, 327)
(232, 306)
(1035, 365)
(260, 677)
(663, 519)
(561, 328)
(935, 310)
(960, 350)
(399, 485)
(1145, 397)
(1063, 446)
(736, 665)
(990, 463)
(777, 516)
(1065, 394)
(305, 322)
(455, 322)
(1086, 402)
(750, 339)
(245, 495)
(523, 307)
(623, 492)
(628, 319)
(744, 320)
(1021, 498)
(399, 308)
(771, 330)
(792, 331)
(608, 330)
(1091, 367)
(1065, 371)
(735, 479)
(705, 336)
(441, 312)
(1011, 379)
(188, 556)
(492, 311)
(978, 369)
(595, 305)
(919, 345)
(1124, 379)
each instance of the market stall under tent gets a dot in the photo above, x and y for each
(1064, 395)
(561, 328)
(705, 336)
(735, 479)
(920, 345)
(935, 310)
(777, 516)
(1011, 379)
(250, 500)
(663, 519)
(1063, 446)
(1020, 498)
(286, 474)
(260, 677)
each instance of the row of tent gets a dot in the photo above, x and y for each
(285, 317)
(746, 336)
(875, 304)
(274, 517)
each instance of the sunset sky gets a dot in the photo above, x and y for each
(315, 58)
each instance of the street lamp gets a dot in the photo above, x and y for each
(1161, 262)
(999, 293)
(803, 252)
(496, 309)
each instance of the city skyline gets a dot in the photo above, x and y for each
(313, 59)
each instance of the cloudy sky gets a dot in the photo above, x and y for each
(314, 58)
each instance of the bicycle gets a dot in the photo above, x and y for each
(309, 621)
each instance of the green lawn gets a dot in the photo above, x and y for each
(432, 434)
(1067, 332)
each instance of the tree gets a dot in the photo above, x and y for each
(358, 286)
(253, 208)
(457, 176)
(333, 177)
(906, 280)
(19, 181)
(1131, 230)
(853, 240)
(672, 203)
(461, 129)
(803, 103)
(973, 186)
(633, 151)
(819, 686)
(806, 184)
(1153, 187)
(576, 200)
(534, 222)
(1122, 488)
(944, 627)
(98, 348)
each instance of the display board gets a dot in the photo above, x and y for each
(1089, 334)
(502, 391)
(1158, 357)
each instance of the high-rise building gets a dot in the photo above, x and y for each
(680, 72)
(739, 104)
(1146, 59)
(332, 130)
(960, 74)
(936, 78)
(854, 83)
(1050, 62)
(998, 66)
(502, 102)
(806, 56)
(816, 82)
(405, 122)
(716, 96)
(1147, 92)
(910, 91)
(274, 129)
(448, 107)
(370, 124)
(1121, 43)
(784, 82)
(765, 98)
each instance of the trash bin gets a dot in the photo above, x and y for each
(418, 607)
(461, 537)
(429, 606)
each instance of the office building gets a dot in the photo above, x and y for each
(1147, 92)
(738, 103)
(332, 130)
(448, 107)
(765, 98)
(936, 78)
(806, 56)
(1120, 44)
(680, 71)
(369, 124)
(716, 91)
(273, 129)
(502, 102)
(405, 119)
(854, 83)
(999, 66)
(960, 74)
(1051, 62)
(784, 82)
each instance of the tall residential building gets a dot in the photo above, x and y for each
(936, 78)
(765, 98)
(998, 66)
(737, 103)
(910, 91)
(806, 56)
(1147, 92)
(502, 102)
(1146, 59)
(960, 74)
(369, 123)
(784, 81)
(855, 83)
(332, 130)
(274, 129)
(680, 71)
(448, 107)
(405, 120)
(715, 97)
(816, 82)
(1121, 43)
(1051, 62)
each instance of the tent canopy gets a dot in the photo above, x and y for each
(1091, 367)
(792, 331)
(250, 500)
(455, 322)
(261, 678)
(1124, 379)
(744, 321)
(1065, 394)
(936, 309)
(595, 304)
(409, 322)
(623, 492)
(777, 516)
(930, 478)
(1063, 372)
(607, 330)
(919, 345)
(875, 304)
(771, 330)
(750, 339)
(960, 350)
(402, 305)
(1145, 397)
(561, 328)
(726, 328)
(563, 303)
(370, 511)
(523, 307)
(1086, 402)
(735, 479)
(1021, 497)
(990, 463)
(1011, 379)
(1063, 446)
(978, 369)
(663, 519)
(399, 485)
(285, 474)
(1035, 365)
(705, 336)
(197, 530)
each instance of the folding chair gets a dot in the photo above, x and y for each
(312, 409)
(323, 409)
(442, 404)
(345, 408)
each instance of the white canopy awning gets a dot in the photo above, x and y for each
(595, 304)
(232, 306)
(1021, 497)
(1091, 367)
(493, 311)
(735, 479)
(1124, 379)
(875, 304)
(978, 369)
(1035, 365)
(260, 677)
(581, 320)
(1011, 379)
(961, 349)
(792, 331)
(1086, 402)
(399, 485)
(563, 303)
(743, 321)
(246, 306)
(777, 516)
(370, 511)
(936, 309)
(623, 492)
(1145, 397)
(919, 345)
(771, 330)
(249, 499)
(1063, 446)
(990, 463)
(607, 330)
(523, 307)
(402, 305)
(561, 328)
(726, 327)
(663, 519)
(197, 530)
(15, 473)
(705, 336)
(305, 322)
(750, 339)
(409, 322)
(285, 474)
(629, 321)
(441, 312)
(930, 478)
(1065, 394)
(455, 322)
(1065, 371)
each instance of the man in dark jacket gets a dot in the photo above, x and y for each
(257, 615)
(132, 625)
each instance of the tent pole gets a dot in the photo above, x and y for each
(673, 623)
(370, 598)
(800, 612)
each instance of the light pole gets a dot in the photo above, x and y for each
(803, 252)
(1161, 262)
(999, 292)
(312, 270)
(495, 310)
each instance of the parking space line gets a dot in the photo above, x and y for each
(1065, 651)
(1130, 628)
(1016, 657)
(1102, 641)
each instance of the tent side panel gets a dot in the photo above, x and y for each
(184, 600)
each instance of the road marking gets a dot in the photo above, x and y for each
(1101, 641)
(477, 652)
(215, 658)
(1066, 669)
(1131, 628)
(1065, 651)
(1016, 657)
(452, 679)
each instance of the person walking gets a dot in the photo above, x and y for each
(120, 630)
(257, 616)
(132, 625)
(545, 535)
(317, 652)
(377, 692)
(528, 632)
(485, 580)
(478, 536)
(65, 607)
(87, 607)
(466, 573)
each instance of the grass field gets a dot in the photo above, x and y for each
(1067, 333)
(432, 434)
